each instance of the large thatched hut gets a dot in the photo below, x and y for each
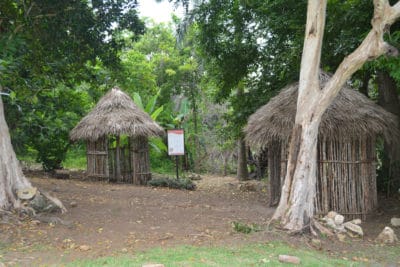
(346, 178)
(117, 132)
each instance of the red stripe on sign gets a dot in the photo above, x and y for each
(175, 131)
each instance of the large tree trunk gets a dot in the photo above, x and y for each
(296, 206)
(11, 176)
(389, 100)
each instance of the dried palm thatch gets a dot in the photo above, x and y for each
(115, 114)
(351, 115)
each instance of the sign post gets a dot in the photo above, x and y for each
(176, 146)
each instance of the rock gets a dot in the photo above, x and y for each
(341, 237)
(84, 247)
(356, 221)
(387, 236)
(322, 229)
(289, 259)
(339, 219)
(26, 193)
(73, 204)
(353, 228)
(330, 223)
(331, 214)
(395, 222)
(153, 265)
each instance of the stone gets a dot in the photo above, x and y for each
(331, 214)
(26, 193)
(341, 237)
(356, 221)
(330, 223)
(395, 222)
(387, 236)
(153, 265)
(84, 247)
(354, 228)
(289, 259)
(73, 204)
(339, 219)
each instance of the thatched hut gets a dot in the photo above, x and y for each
(346, 178)
(116, 116)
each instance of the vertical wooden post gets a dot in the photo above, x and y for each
(117, 159)
(177, 167)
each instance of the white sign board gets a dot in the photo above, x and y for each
(176, 145)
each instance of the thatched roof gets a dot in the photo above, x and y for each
(351, 115)
(115, 114)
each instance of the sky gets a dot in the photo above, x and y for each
(159, 12)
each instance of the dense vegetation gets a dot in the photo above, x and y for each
(206, 73)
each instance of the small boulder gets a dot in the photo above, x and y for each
(387, 236)
(331, 214)
(84, 248)
(73, 204)
(339, 219)
(341, 237)
(289, 259)
(26, 193)
(356, 221)
(395, 222)
(354, 228)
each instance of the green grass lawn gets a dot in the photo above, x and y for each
(253, 255)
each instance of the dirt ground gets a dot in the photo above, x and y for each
(109, 219)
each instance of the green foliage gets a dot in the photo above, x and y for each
(182, 183)
(75, 157)
(245, 228)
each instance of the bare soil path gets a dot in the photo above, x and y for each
(108, 219)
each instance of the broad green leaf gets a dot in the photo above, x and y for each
(138, 100)
(157, 112)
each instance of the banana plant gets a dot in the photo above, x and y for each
(155, 142)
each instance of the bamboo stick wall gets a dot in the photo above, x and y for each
(97, 158)
(140, 160)
(134, 161)
(346, 176)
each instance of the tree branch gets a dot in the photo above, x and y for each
(372, 47)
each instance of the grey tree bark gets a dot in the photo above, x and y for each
(296, 205)
(11, 176)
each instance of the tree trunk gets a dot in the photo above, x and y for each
(296, 205)
(389, 100)
(11, 176)
(242, 172)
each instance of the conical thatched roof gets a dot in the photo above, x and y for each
(115, 114)
(351, 115)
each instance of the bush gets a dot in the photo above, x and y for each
(173, 183)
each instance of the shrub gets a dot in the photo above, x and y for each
(173, 183)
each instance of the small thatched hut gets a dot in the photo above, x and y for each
(346, 178)
(115, 116)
